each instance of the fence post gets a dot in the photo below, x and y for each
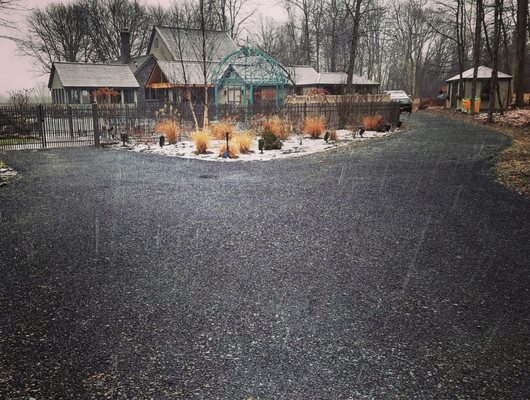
(95, 122)
(70, 121)
(42, 128)
(304, 113)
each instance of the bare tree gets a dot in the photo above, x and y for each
(58, 32)
(495, 59)
(476, 52)
(520, 51)
(354, 10)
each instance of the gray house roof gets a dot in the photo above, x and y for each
(174, 72)
(483, 73)
(218, 43)
(305, 75)
(93, 75)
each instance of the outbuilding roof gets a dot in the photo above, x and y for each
(305, 75)
(93, 75)
(483, 73)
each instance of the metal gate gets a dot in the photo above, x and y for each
(35, 127)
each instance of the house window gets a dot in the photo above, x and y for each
(85, 96)
(73, 96)
(128, 96)
(234, 95)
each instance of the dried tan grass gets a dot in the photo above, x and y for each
(233, 149)
(371, 122)
(170, 129)
(220, 130)
(244, 141)
(333, 135)
(280, 128)
(202, 140)
(314, 126)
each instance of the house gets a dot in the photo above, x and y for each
(483, 91)
(79, 83)
(178, 73)
(307, 80)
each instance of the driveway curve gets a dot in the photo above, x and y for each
(394, 269)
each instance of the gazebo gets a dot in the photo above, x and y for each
(454, 98)
(248, 75)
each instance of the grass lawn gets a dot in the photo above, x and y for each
(7, 140)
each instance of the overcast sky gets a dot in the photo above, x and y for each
(16, 72)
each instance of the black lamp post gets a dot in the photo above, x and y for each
(124, 138)
(161, 140)
(226, 153)
(261, 144)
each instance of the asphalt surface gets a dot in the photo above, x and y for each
(394, 269)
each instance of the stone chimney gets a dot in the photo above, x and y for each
(125, 37)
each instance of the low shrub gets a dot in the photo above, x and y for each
(278, 127)
(272, 142)
(372, 122)
(202, 140)
(314, 126)
(219, 130)
(244, 141)
(233, 149)
(171, 129)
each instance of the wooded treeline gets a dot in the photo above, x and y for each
(410, 44)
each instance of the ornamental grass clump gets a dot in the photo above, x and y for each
(220, 130)
(278, 127)
(233, 149)
(244, 141)
(272, 142)
(202, 140)
(314, 126)
(372, 122)
(171, 129)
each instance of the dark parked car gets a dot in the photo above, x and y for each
(405, 102)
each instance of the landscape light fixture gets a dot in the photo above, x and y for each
(326, 136)
(161, 140)
(124, 138)
(261, 144)
(226, 153)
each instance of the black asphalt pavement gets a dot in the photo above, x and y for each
(393, 269)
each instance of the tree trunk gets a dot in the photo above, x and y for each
(476, 53)
(353, 44)
(495, 57)
(520, 51)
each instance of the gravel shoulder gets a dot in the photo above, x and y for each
(392, 269)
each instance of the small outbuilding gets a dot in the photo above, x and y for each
(454, 97)
(79, 83)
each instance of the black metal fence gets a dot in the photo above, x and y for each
(49, 126)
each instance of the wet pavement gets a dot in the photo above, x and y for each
(392, 269)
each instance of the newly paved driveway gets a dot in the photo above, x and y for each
(397, 269)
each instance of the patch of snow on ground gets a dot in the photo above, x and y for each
(292, 147)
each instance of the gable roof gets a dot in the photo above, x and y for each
(218, 43)
(483, 73)
(93, 75)
(305, 75)
(174, 71)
